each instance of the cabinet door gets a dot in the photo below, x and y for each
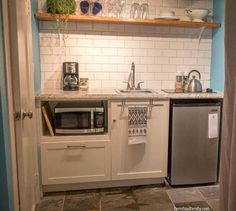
(139, 161)
(75, 162)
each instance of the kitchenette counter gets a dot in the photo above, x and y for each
(108, 94)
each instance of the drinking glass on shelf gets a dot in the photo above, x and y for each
(121, 4)
(135, 10)
(144, 11)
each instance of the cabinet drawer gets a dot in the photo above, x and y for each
(75, 162)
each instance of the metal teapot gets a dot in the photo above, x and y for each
(194, 85)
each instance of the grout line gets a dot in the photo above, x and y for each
(205, 199)
(64, 202)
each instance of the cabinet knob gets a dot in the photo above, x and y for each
(114, 120)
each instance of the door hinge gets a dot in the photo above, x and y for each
(17, 115)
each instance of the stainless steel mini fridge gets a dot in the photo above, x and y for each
(194, 141)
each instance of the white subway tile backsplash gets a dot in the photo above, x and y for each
(176, 45)
(105, 51)
(169, 68)
(169, 53)
(101, 43)
(155, 52)
(46, 50)
(162, 60)
(95, 83)
(151, 84)
(170, 3)
(184, 53)
(93, 67)
(124, 52)
(147, 44)
(117, 59)
(85, 43)
(117, 44)
(102, 76)
(190, 61)
(204, 61)
(162, 76)
(87, 59)
(147, 76)
(162, 45)
(140, 52)
(109, 84)
(117, 76)
(184, 3)
(124, 68)
(130, 59)
(147, 60)
(154, 68)
(102, 59)
(132, 44)
(109, 68)
(93, 51)
(77, 50)
(176, 61)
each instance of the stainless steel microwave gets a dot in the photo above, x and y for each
(85, 117)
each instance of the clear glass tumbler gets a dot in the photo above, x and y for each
(135, 10)
(144, 11)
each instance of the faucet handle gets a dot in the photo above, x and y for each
(128, 85)
(138, 85)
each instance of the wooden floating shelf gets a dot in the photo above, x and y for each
(97, 19)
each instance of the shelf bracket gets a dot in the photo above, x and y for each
(200, 34)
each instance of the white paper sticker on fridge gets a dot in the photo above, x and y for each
(213, 126)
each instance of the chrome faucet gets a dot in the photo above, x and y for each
(133, 75)
(131, 86)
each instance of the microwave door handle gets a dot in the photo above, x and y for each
(92, 119)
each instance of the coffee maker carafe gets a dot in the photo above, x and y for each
(70, 76)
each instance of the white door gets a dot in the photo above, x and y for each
(18, 28)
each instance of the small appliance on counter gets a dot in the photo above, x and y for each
(194, 85)
(184, 83)
(70, 76)
(87, 117)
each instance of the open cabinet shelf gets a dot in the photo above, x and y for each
(97, 19)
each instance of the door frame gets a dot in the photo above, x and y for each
(10, 111)
(9, 71)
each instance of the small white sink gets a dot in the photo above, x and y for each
(141, 91)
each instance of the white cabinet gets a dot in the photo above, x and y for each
(75, 162)
(139, 161)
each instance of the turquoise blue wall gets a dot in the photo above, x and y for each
(36, 51)
(217, 65)
(5, 162)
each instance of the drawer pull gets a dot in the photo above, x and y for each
(76, 147)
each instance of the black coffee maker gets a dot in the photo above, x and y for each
(70, 76)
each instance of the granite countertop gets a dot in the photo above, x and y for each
(107, 94)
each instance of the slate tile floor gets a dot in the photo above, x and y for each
(141, 198)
